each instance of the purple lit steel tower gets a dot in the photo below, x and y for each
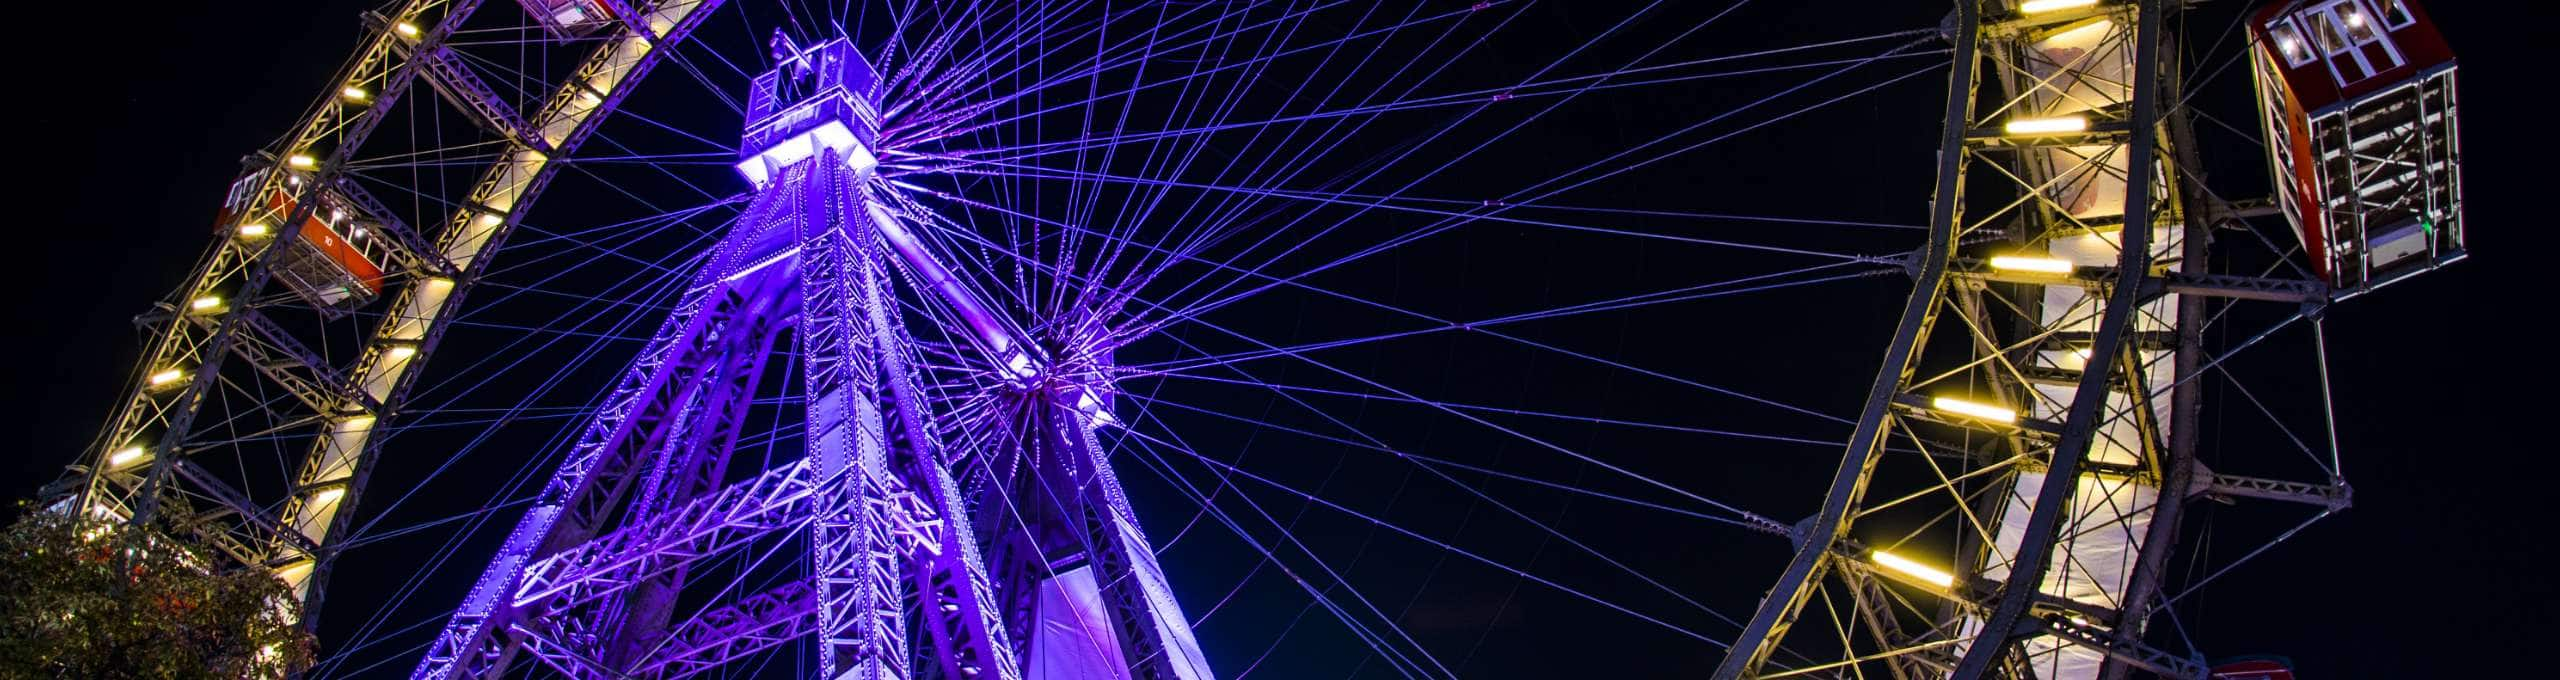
(1041, 573)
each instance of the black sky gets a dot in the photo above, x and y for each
(132, 118)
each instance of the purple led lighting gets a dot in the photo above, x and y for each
(885, 520)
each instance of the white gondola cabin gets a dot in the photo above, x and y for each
(572, 18)
(2357, 98)
(337, 254)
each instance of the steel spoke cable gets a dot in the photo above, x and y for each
(1052, 173)
(1100, 64)
(1284, 488)
(1379, 169)
(1595, 420)
(1465, 416)
(524, 473)
(1261, 424)
(1717, 289)
(1231, 210)
(1146, 209)
(1373, 443)
(1156, 463)
(1142, 331)
(963, 158)
(1518, 196)
(1286, 532)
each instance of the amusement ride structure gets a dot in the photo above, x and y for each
(903, 366)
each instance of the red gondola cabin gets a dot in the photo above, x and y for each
(2357, 97)
(2254, 668)
(337, 255)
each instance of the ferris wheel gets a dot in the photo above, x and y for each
(1060, 340)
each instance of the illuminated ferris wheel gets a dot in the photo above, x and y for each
(1063, 340)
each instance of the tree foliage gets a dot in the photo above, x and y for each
(87, 598)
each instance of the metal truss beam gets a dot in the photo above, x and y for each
(584, 582)
(454, 79)
(892, 502)
(2034, 555)
(471, 236)
(236, 528)
(745, 511)
(2229, 286)
(552, 649)
(2332, 496)
(598, 465)
(2119, 649)
(853, 562)
(707, 640)
(1815, 541)
(286, 361)
(957, 598)
(412, 249)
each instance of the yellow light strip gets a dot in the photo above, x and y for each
(2047, 126)
(1974, 410)
(1917, 571)
(166, 376)
(2041, 265)
(2040, 6)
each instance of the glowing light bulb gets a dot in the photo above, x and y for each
(125, 457)
(328, 495)
(1917, 571)
(2047, 126)
(2038, 6)
(355, 94)
(1974, 410)
(253, 230)
(406, 28)
(206, 303)
(401, 352)
(2041, 265)
(302, 161)
(166, 376)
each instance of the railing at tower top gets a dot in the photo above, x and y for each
(824, 98)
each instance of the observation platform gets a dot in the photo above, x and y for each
(823, 97)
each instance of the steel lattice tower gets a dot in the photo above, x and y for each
(1041, 573)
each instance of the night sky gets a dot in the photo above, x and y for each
(133, 118)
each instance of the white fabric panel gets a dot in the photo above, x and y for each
(2100, 64)
(2101, 541)
(1071, 637)
(2089, 180)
